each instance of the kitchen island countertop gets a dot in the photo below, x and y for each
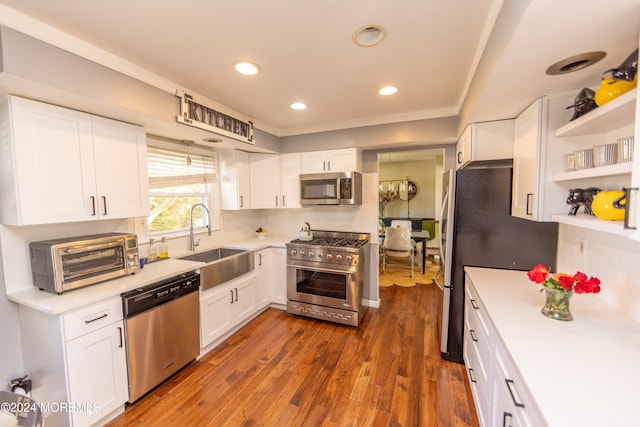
(582, 372)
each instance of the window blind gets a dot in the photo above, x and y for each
(168, 168)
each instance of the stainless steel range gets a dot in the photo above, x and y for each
(325, 276)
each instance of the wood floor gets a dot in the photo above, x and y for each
(283, 370)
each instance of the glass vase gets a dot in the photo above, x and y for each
(556, 305)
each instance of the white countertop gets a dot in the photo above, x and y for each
(584, 372)
(153, 272)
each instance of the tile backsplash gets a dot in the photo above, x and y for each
(613, 259)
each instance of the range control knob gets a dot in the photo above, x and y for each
(320, 255)
(302, 253)
(329, 257)
(310, 254)
(293, 252)
(338, 257)
(349, 258)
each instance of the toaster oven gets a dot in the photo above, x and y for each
(63, 264)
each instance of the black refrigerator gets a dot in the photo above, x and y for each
(477, 230)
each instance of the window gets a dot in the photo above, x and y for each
(177, 181)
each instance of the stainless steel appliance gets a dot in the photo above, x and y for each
(325, 276)
(162, 329)
(335, 188)
(477, 229)
(60, 265)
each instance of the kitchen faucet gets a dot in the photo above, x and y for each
(192, 242)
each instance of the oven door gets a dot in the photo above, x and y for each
(324, 286)
(86, 264)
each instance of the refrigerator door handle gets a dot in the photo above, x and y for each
(445, 202)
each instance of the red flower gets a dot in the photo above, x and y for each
(566, 281)
(538, 274)
(588, 286)
(578, 283)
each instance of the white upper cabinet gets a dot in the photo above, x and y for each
(264, 176)
(61, 165)
(485, 141)
(342, 160)
(537, 156)
(290, 179)
(234, 179)
(121, 169)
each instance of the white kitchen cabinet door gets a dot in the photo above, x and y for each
(263, 278)
(485, 141)
(264, 176)
(244, 302)
(97, 369)
(290, 179)
(234, 179)
(526, 154)
(278, 275)
(341, 160)
(47, 164)
(121, 169)
(215, 313)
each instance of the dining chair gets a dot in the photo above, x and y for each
(397, 244)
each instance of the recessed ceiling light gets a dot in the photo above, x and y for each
(388, 90)
(247, 68)
(369, 35)
(299, 106)
(575, 63)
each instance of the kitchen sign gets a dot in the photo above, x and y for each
(196, 114)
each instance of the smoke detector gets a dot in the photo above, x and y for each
(369, 35)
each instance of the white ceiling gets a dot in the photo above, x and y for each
(440, 54)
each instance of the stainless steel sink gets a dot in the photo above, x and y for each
(223, 264)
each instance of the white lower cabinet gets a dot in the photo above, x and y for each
(499, 393)
(225, 306)
(271, 266)
(77, 361)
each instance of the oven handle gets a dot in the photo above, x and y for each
(323, 270)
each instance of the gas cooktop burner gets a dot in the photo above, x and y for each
(338, 242)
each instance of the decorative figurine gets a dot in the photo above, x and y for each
(578, 197)
(627, 70)
(583, 103)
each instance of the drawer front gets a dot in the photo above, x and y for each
(477, 366)
(91, 318)
(520, 403)
(474, 309)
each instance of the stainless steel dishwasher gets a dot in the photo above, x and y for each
(162, 328)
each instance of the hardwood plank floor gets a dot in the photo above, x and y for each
(285, 370)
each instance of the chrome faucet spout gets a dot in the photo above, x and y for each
(192, 242)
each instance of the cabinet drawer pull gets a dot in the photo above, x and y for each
(241, 202)
(259, 259)
(324, 166)
(284, 201)
(104, 202)
(473, 380)
(474, 305)
(328, 166)
(459, 154)
(120, 333)
(97, 318)
(236, 294)
(93, 206)
(510, 383)
(473, 336)
(506, 417)
(276, 201)
(231, 290)
(526, 210)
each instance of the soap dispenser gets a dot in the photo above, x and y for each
(164, 249)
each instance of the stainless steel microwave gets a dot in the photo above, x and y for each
(334, 188)
(63, 264)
